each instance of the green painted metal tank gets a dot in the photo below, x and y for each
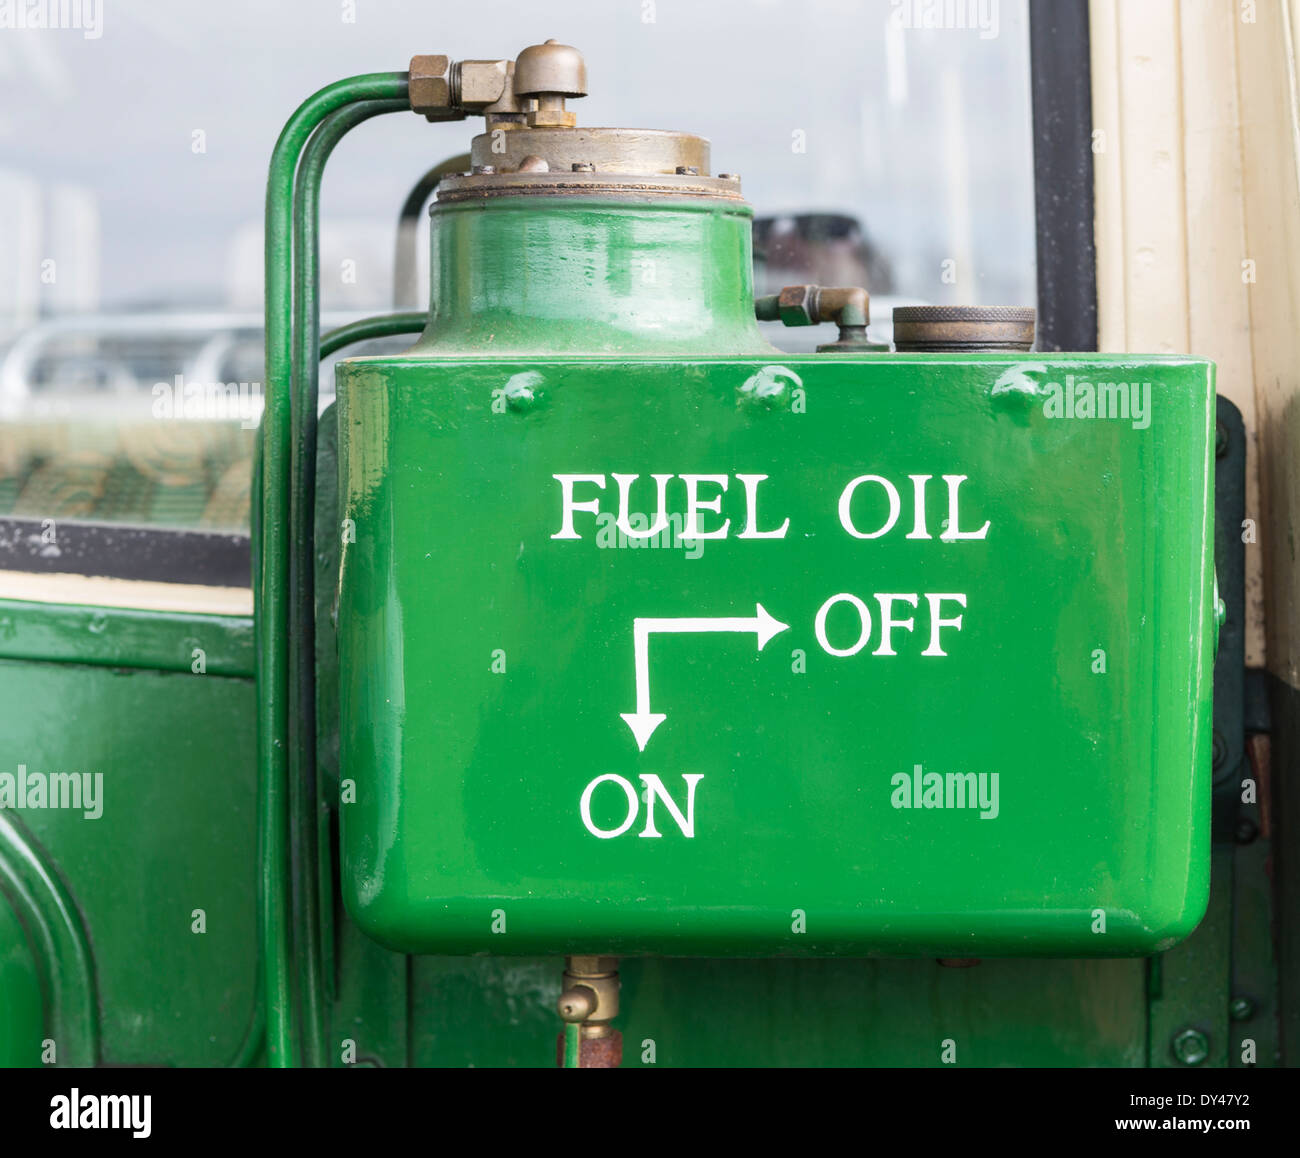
(655, 640)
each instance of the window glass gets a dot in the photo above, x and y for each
(881, 142)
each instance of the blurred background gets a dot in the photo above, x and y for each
(133, 158)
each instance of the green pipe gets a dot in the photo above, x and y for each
(305, 392)
(406, 282)
(270, 588)
(367, 329)
(572, 1045)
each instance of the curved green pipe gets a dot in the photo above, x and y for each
(305, 392)
(367, 329)
(271, 551)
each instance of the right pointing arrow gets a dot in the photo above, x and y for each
(643, 721)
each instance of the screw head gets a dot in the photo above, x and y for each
(1191, 1047)
(1241, 1009)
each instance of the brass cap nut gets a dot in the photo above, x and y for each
(430, 85)
(550, 69)
(797, 305)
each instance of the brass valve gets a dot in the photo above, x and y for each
(590, 994)
(531, 89)
(589, 1003)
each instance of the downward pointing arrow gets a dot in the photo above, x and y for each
(643, 721)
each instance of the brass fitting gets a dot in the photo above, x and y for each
(550, 73)
(484, 82)
(809, 305)
(577, 1004)
(590, 1001)
(590, 994)
(849, 307)
(535, 86)
(430, 88)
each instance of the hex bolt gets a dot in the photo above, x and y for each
(797, 305)
(1191, 1047)
(1241, 1009)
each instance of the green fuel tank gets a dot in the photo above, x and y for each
(656, 640)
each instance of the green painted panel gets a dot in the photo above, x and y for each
(22, 1025)
(126, 637)
(493, 676)
(173, 762)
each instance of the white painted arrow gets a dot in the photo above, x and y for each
(643, 721)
